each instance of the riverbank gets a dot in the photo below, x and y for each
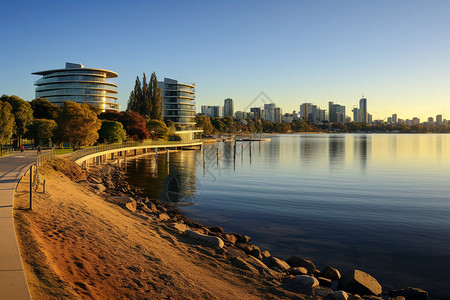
(101, 238)
(76, 243)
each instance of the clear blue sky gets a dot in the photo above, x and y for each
(395, 52)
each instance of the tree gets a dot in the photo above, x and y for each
(134, 103)
(78, 125)
(158, 129)
(6, 124)
(135, 125)
(43, 109)
(156, 99)
(146, 98)
(23, 114)
(205, 123)
(41, 131)
(112, 132)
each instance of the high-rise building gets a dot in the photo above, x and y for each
(356, 115)
(228, 107)
(304, 111)
(439, 119)
(269, 112)
(430, 120)
(294, 116)
(363, 110)
(331, 112)
(415, 121)
(79, 84)
(256, 112)
(277, 115)
(214, 111)
(394, 118)
(178, 103)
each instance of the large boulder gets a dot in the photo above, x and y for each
(298, 271)
(359, 282)
(306, 281)
(121, 200)
(339, 295)
(242, 238)
(410, 293)
(230, 238)
(278, 264)
(242, 264)
(295, 261)
(212, 241)
(331, 273)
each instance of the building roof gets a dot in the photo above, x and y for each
(72, 66)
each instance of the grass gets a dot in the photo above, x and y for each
(63, 151)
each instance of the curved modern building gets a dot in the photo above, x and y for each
(178, 103)
(79, 84)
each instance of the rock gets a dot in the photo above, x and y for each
(278, 264)
(265, 254)
(131, 206)
(235, 252)
(216, 229)
(256, 253)
(324, 281)
(306, 281)
(315, 273)
(121, 200)
(212, 241)
(359, 282)
(323, 292)
(298, 271)
(295, 261)
(242, 264)
(146, 209)
(163, 217)
(397, 298)
(242, 238)
(410, 293)
(100, 187)
(109, 185)
(331, 273)
(230, 238)
(179, 226)
(339, 295)
(247, 248)
(262, 268)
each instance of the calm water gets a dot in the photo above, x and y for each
(378, 202)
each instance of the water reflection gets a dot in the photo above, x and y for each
(336, 151)
(174, 182)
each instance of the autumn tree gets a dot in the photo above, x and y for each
(135, 125)
(41, 131)
(112, 132)
(205, 123)
(43, 109)
(6, 124)
(78, 125)
(23, 115)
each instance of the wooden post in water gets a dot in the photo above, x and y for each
(250, 151)
(217, 153)
(242, 153)
(234, 154)
(167, 155)
(204, 164)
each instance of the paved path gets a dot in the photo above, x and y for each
(13, 284)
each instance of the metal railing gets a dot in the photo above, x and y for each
(5, 151)
(106, 147)
(44, 157)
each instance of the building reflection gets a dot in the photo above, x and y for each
(175, 182)
(361, 148)
(336, 151)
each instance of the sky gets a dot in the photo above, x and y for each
(395, 53)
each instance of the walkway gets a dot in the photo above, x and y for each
(13, 284)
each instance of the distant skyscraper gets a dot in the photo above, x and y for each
(294, 116)
(394, 118)
(269, 112)
(277, 115)
(415, 121)
(430, 120)
(363, 110)
(304, 111)
(256, 112)
(331, 112)
(356, 114)
(439, 119)
(212, 111)
(228, 107)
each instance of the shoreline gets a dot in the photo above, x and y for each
(295, 275)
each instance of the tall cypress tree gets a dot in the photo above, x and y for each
(135, 95)
(156, 99)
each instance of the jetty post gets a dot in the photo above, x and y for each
(242, 153)
(217, 154)
(167, 155)
(234, 155)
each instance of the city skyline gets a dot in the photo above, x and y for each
(393, 53)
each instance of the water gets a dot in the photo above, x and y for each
(378, 202)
